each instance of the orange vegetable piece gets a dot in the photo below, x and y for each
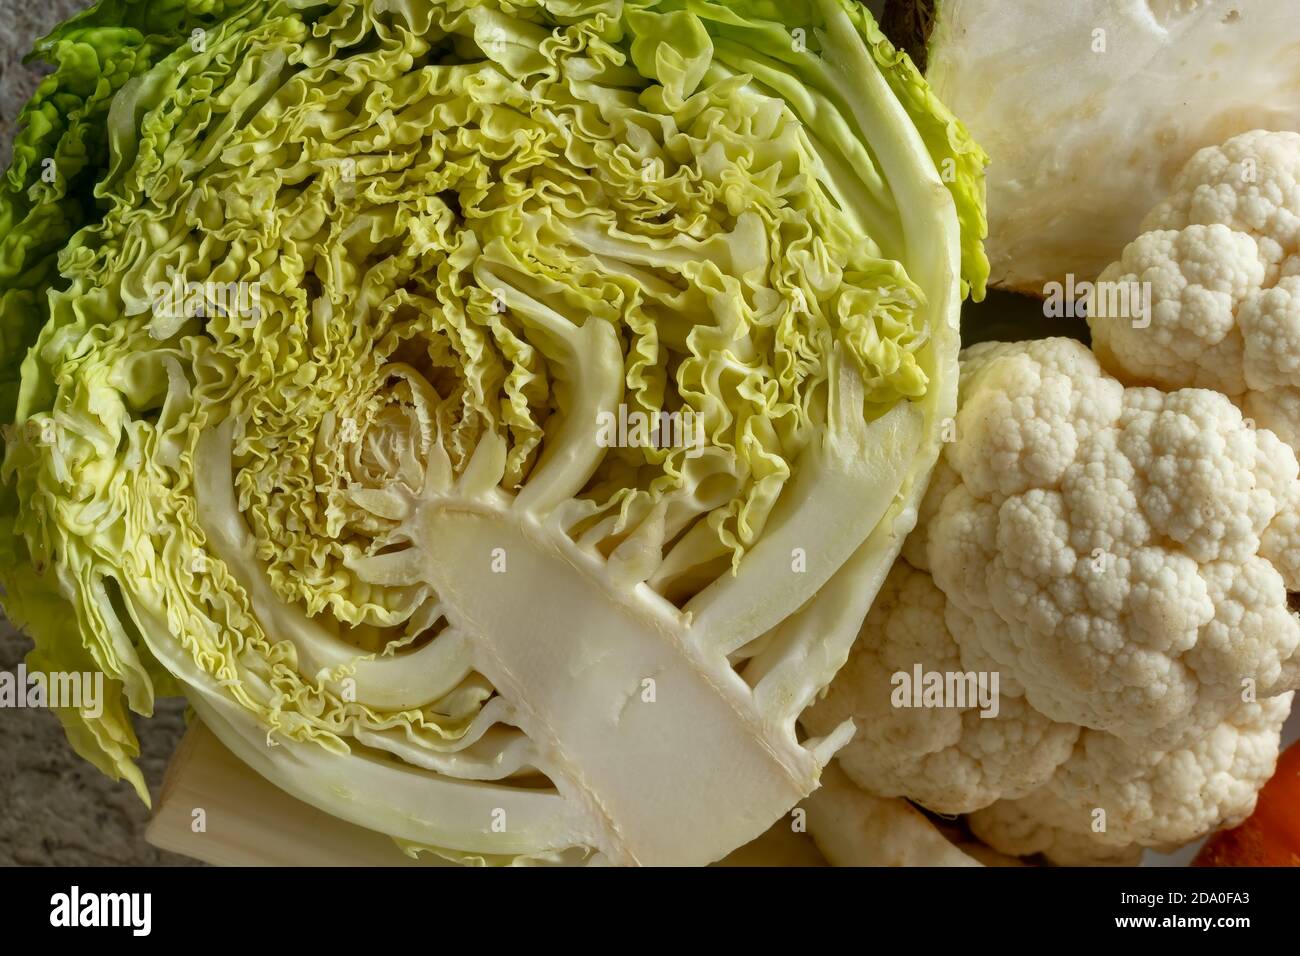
(1271, 835)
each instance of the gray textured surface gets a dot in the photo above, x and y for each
(54, 807)
(21, 23)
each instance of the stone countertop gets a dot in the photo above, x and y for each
(55, 808)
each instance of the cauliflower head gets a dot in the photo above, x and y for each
(1121, 559)
(1123, 554)
(1222, 257)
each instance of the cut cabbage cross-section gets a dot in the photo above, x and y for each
(495, 418)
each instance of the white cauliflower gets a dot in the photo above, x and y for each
(1222, 256)
(949, 759)
(1121, 557)
(1123, 554)
(1111, 797)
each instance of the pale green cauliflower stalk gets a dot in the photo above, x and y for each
(367, 514)
(1121, 558)
(1221, 256)
(1089, 108)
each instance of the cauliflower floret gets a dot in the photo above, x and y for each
(1270, 330)
(1250, 184)
(1008, 826)
(1112, 550)
(1120, 558)
(1222, 256)
(949, 759)
(1278, 410)
(1199, 277)
(1281, 545)
(1112, 796)
(1024, 413)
